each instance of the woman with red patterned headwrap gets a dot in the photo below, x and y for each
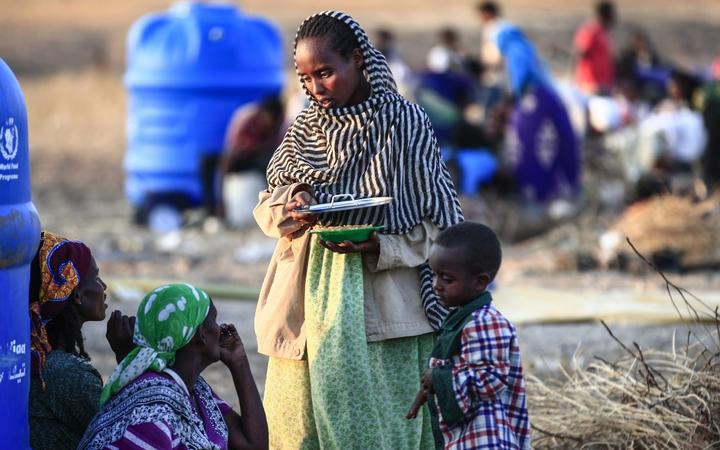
(65, 292)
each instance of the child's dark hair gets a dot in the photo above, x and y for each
(340, 36)
(476, 244)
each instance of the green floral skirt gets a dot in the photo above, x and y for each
(348, 393)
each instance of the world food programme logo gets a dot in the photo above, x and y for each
(9, 139)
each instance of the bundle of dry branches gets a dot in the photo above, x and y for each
(648, 399)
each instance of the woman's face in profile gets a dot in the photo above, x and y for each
(91, 295)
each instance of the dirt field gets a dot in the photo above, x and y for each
(547, 349)
(68, 55)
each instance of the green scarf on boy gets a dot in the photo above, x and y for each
(447, 344)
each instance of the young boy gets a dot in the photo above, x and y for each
(475, 380)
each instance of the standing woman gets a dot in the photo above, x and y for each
(348, 327)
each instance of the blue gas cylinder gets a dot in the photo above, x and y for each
(188, 69)
(19, 240)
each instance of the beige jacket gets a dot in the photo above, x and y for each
(393, 306)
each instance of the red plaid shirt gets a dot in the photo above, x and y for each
(487, 380)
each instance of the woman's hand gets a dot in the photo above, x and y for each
(300, 200)
(248, 431)
(119, 334)
(371, 246)
(232, 350)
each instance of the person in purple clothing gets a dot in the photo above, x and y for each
(156, 397)
(541, 148)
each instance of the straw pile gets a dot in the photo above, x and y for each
(655, 401)
(675, 224)
(647, 400)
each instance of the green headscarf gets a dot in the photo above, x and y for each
(167, 319)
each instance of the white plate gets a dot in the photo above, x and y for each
(346, 205)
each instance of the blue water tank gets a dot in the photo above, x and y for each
(188, 69)
(19, 240)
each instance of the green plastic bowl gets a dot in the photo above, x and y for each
(352, 235)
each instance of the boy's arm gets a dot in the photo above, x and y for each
(482, 372)
(420, 399)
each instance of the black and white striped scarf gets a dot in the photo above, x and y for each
(383, 146)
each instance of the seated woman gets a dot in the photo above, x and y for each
(156, 397)
(65, 292)
(252, 134)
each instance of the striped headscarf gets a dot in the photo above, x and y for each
(56, 271)
(167, 319)
(384, 146)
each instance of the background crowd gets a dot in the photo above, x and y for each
(510, 126)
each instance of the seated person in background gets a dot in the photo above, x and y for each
(447, 55)
(639, 61)
(659, 143)
(251, 137)
(156, 397)
(402, 73)
(626, 107)
(673, 138)
(707, 102)
(444, 97)
(448, 86)
(474, 387)
(471, 157)
(65, 292)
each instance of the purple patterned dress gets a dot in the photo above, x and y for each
(154, 411)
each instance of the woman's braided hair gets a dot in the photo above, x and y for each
(64, 332)
(339, 35)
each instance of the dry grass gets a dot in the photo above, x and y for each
(647, 400)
